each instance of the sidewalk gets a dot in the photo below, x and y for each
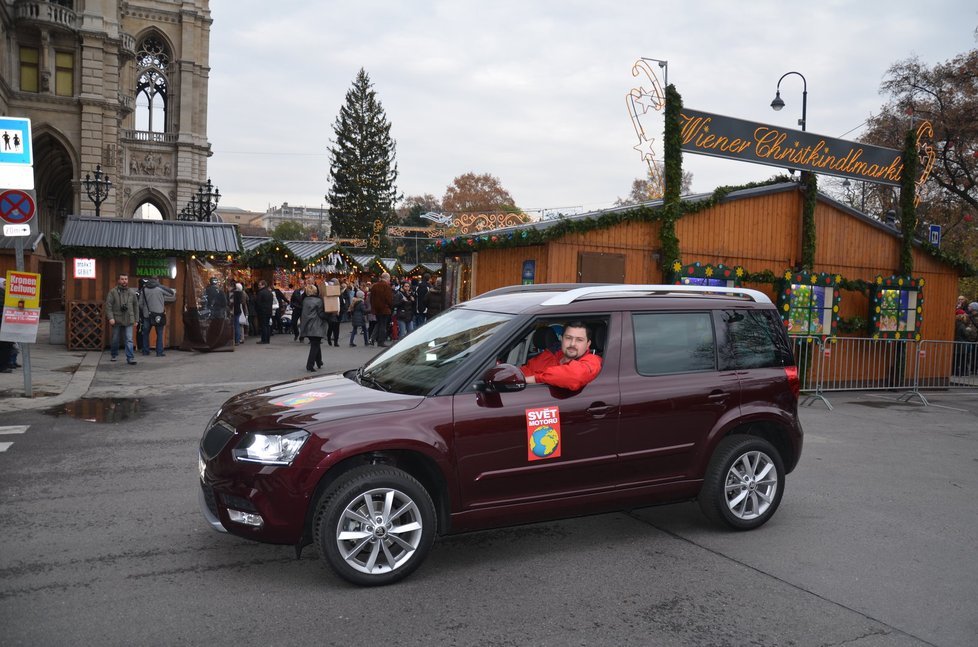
(58, 376)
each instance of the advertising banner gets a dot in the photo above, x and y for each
(21, 307)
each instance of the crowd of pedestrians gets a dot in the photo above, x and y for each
(377, 313)
(965, 337)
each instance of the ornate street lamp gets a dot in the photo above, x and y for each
(97, 189)
(778, 102)
(207, 198)
(202, 205)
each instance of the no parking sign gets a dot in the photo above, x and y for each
(17, 206)
(17, 209)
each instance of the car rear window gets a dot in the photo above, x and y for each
(673, 342)
(751, 340)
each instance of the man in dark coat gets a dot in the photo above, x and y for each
(263, 309)
(421, 301)
(215, 300)
(295, 300)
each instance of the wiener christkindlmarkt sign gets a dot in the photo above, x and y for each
(709, 134)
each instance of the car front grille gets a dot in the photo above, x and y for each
(215, 439)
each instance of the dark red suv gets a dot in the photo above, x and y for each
(696, 398)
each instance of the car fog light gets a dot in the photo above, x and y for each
(246, 518)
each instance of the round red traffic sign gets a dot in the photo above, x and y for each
(16, 206)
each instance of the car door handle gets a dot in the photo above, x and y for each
(718, 395)
(599, 409)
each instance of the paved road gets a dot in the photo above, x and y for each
(101, 541)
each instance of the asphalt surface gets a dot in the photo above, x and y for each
(874, 545)
(54, 375)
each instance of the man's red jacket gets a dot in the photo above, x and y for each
(573, 375)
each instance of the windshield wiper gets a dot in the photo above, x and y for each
(363, 377)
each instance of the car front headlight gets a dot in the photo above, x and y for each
(269, 448)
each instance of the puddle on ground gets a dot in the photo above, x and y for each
(883, 404)
(100, 409)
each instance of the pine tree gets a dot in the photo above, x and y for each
(362, 170)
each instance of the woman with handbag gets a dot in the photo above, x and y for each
(313, 326)
(240, 303)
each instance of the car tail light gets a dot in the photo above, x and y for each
(791, 372)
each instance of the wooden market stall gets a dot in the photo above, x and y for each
(751, 237)
(97, 250)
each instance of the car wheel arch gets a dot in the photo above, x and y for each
(417, 464)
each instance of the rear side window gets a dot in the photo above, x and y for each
(752, 340)
(673, 342)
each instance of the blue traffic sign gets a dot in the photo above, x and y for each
(935, 235)
(15, 141)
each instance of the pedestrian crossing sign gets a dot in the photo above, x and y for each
(15, 141)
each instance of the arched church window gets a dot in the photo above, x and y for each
(147, 211)
(152, 62)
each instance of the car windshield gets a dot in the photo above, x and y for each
(422, 360)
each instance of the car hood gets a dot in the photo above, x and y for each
(301, 403)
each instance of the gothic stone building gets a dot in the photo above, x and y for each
(120, 84)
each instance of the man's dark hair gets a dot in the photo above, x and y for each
(579, 324)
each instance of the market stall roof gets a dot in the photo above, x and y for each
(774, 187)
(310, 250)
(251, 243)
(421, 268)
(392, 265)
(159, 235)
(368, 262)
(31, 243)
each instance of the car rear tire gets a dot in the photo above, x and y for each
(375, 525)
(743, 484)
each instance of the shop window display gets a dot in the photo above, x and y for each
(809, 303)
(896, 307)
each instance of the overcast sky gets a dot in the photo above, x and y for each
(533, 92)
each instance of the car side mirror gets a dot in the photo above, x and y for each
(502, 378)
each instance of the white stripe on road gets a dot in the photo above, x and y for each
(13, 429)
(5, 446)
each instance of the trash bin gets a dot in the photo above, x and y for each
(56, 335)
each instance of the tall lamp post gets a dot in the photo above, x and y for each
(97, 189)
(778, 102)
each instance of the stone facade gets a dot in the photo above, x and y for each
(121, 84)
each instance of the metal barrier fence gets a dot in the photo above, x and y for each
(907, 365)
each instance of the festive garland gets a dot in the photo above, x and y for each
(808, 280)
(908, 208)
(877, 302)
(852, 325)
(809, 184)
(683, 273)
(564, 227)
(672, 202)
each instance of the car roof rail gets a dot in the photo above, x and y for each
(658, 290)
(535, 287)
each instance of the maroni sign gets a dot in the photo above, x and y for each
(709, 134)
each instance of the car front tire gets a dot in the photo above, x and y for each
(743, 484)
(375, 525)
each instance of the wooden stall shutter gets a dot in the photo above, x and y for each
(596, 267)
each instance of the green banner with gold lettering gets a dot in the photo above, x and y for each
(705, 133)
